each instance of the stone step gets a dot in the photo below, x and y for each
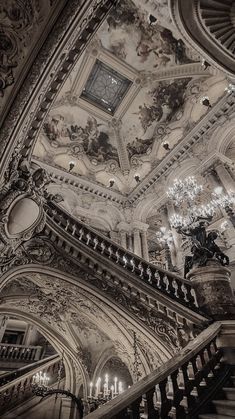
(230, 393)
(225, 407)
(214, 416)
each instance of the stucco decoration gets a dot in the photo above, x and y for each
(21, 25)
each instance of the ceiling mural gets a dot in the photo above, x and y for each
(129, 35)
(162, 104)
(114, 117)
(21, 24)
(78, 132)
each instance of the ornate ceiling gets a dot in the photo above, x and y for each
(149, 86)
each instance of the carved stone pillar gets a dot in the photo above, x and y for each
(129, 242)
(144, 242)
(225, 177)
(137, 242)
(3, 324)
(123, 236)
(213, 290)
(30, 335)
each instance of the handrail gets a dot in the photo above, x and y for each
(165, 282)
(35, 366)
(166, 387)
(20, 389)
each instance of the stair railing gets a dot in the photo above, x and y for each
(18, 389)
(165, 282)
(9, 352)
(175, 389)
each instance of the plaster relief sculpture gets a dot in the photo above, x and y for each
(21, 210)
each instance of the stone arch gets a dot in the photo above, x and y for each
(57, 341)
(222, 138)
(106, 316)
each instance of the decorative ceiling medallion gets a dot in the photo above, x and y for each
(105, 87)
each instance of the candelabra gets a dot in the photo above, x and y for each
(101, 393)
(40, 388)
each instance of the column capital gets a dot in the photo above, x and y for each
(140, 226)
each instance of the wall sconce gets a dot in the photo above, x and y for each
(111, 183)
(137, 178)
(205, 101)
(71, 165)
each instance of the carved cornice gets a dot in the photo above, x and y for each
(224, 107)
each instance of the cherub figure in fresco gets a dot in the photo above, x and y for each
(75, 133)
(55, 128)
(149, 114)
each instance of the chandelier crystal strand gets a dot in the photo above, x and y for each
(186, 190)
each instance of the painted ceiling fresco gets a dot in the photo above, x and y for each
(149, 123)
(129, 36)
(77, 133)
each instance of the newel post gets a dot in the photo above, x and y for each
(213, 290)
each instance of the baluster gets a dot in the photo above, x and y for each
(88, 237)
(151, 411)
(158, 279)
(171, 289)
(110, 250)
(117, 254)
(132, 262)
(102, 247)
(74, 229)
(188, 386)
(67, 225)
(140, 267)
(165, 403)
(166, 283)
(180, 290)
(175, 287)
(81, 234)
(190, 298)
(135, 408)
(96, 242)
(177, 410)
(149, 274)
(124, 258)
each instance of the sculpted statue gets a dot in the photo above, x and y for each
(203, 247)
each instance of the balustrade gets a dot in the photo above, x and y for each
(22, 353)
(176, 389)
(15, 390)
(166, 282)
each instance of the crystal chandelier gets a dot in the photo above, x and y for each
(184, 190)
(164, 235)
(187, 191)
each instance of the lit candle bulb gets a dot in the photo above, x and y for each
(91, 385)
(107, 381)
(98, 387)
(112, 390)
(120, 389)
(115, 385)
